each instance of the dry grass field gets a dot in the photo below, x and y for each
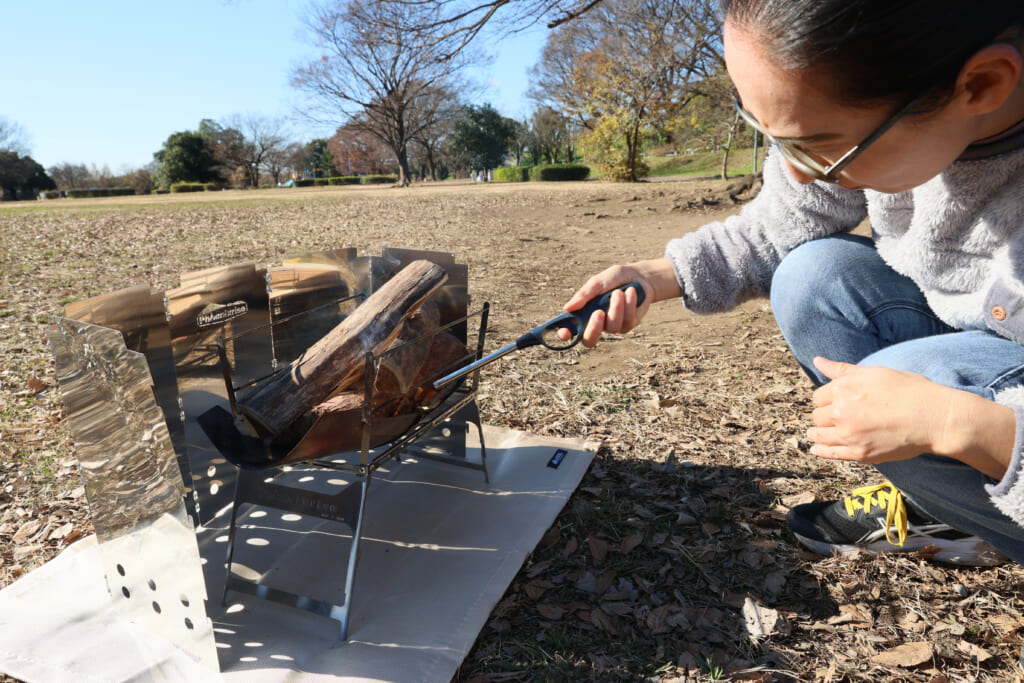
(678, 529)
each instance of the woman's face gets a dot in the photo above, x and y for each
(792, 105)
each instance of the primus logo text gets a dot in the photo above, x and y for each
(218, 314)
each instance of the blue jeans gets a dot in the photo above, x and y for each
(836, 298)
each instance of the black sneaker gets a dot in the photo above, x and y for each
(862, 522)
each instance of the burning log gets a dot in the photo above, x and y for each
(336, 362)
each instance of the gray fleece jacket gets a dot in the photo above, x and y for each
(959, 237)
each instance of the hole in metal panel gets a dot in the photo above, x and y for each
(188, 624)
(156, 607)
(125, 592)
(120, 570)
(152, 584)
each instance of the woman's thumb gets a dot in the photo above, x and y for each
(830, 368)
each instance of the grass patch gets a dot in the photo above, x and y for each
(706, 164)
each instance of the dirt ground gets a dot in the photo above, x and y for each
(677, 534)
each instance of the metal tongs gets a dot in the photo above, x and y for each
(546, 334)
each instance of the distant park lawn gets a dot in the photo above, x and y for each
(699, 164)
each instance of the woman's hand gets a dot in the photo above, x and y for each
(657, 279)
(872, 414)
(875, 415)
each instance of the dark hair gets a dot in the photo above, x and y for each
(878, 51)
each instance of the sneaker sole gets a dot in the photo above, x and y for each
(968, 552)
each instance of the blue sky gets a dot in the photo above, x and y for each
(107, 82)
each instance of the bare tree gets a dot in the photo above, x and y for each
(264, 137)
(373, 75)
(277, 161)
(445, 108)
(70, 176)
(356, 152)
(551, 136)
(451, 25)
(626, 66)
(13, 137)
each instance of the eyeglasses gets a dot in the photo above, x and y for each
(807, 164)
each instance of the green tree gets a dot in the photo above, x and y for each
(187, 156)
(229, 148)
(484, 136)
(316, 158)
(22, 176)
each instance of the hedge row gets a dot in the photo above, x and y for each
(98, 192)
(547, 172)
(560, 172)
(512, 174)
(196, 187)
(346, 180)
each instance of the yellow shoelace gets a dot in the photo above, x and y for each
(887, 497)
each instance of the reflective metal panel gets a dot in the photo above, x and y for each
(133, 485)
(226, 301)
(138, 314)
(309, 296)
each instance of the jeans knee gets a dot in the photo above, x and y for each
(794, 282)
(811, 274)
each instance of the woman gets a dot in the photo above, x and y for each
(909, 113)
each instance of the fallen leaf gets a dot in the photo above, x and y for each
(975, 653)
(570, 548)
(535, 589)
(665, 618)
(619, 609)
(27, 531)
(587, 583)
(552, 612)
(761, 621)
(774, 583)
(798, 499)
(630, 542)
(598, 549)
(62, 531)
(851, 614)
(35, 385)
(907, 655)
(599, 618)
(826, 675)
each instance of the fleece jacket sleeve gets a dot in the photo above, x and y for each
(724, 263)
(1008, 494)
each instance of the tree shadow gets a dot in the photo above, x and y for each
(650, 567)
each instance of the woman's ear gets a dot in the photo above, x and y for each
(989, 77)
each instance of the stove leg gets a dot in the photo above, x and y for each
(231, 533)
(474, 418)
(344, 611)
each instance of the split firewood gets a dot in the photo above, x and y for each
(446, 353)
(337, 361)
(399, 365)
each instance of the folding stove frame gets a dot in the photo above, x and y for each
(139, 368)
